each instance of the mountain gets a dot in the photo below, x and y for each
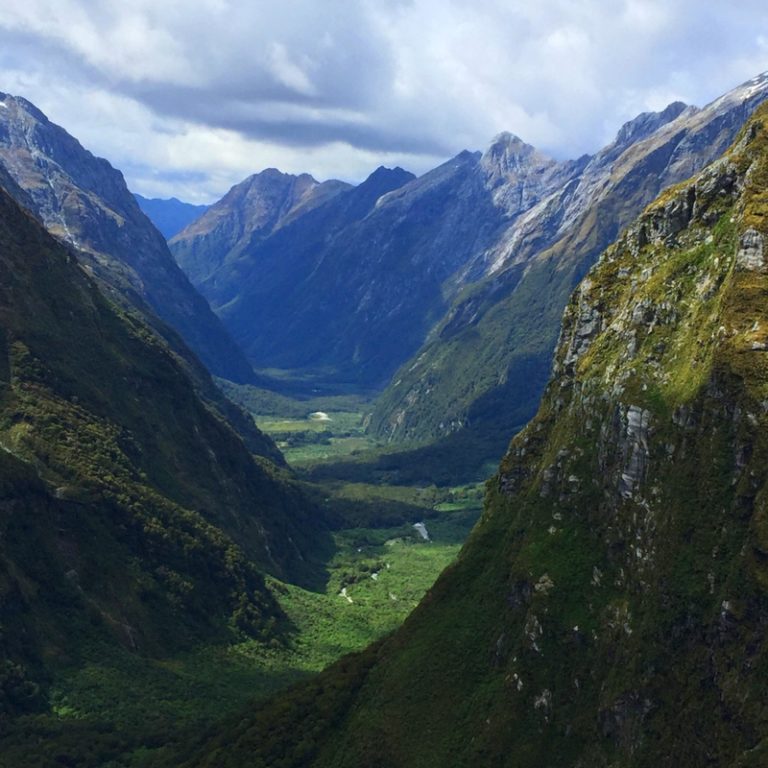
(85, 202)
(296, 296)
(610, 607)
(247, 214)
(170, 216)
(480, 373)
(446, 290)
(130, 513)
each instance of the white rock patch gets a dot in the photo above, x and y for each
(422, 529)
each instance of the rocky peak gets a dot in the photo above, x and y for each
(46, 161)
(753, 91)
(517, 174)
(389, 178)
(23, 111)
(274, 178)
(647, 123)
(263, 198)
(363, 198)
(508, 156)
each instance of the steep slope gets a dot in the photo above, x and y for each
(129, 510)
(169, 216)
(610, 607)
(480, 374)
(83, 201)
(246, 215)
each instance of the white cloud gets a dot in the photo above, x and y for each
(188, 98)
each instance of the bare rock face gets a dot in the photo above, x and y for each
(518, 175)
(588, 325)
(634, 448)
(750, 253)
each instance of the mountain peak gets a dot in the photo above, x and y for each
(6, 99)
(508, 163)
(508, 153)
(646, 123)
(752, 91)
(380, 182)
(382, 173)
(507, 138)
(508, 145)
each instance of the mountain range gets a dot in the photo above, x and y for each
(447, 290)
(606, 313)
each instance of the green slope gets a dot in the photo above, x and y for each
(131, 513)
(610, 607)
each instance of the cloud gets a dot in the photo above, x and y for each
(188, 98)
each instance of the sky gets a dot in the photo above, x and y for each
(188, 97)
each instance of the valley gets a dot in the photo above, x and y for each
(464, 467)
(132, 710)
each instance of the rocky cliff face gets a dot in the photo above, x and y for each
(84, 202)
(610, 607)
(483, 368)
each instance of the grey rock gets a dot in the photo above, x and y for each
(634, 447)
(750, 254)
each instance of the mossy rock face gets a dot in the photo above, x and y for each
(610, 608)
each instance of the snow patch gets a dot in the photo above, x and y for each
(422, 529)
(319, 416)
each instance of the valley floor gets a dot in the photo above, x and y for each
(115, 708)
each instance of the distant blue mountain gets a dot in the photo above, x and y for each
(169, 216)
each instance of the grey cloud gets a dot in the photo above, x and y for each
(304, 125)
(423, 78)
